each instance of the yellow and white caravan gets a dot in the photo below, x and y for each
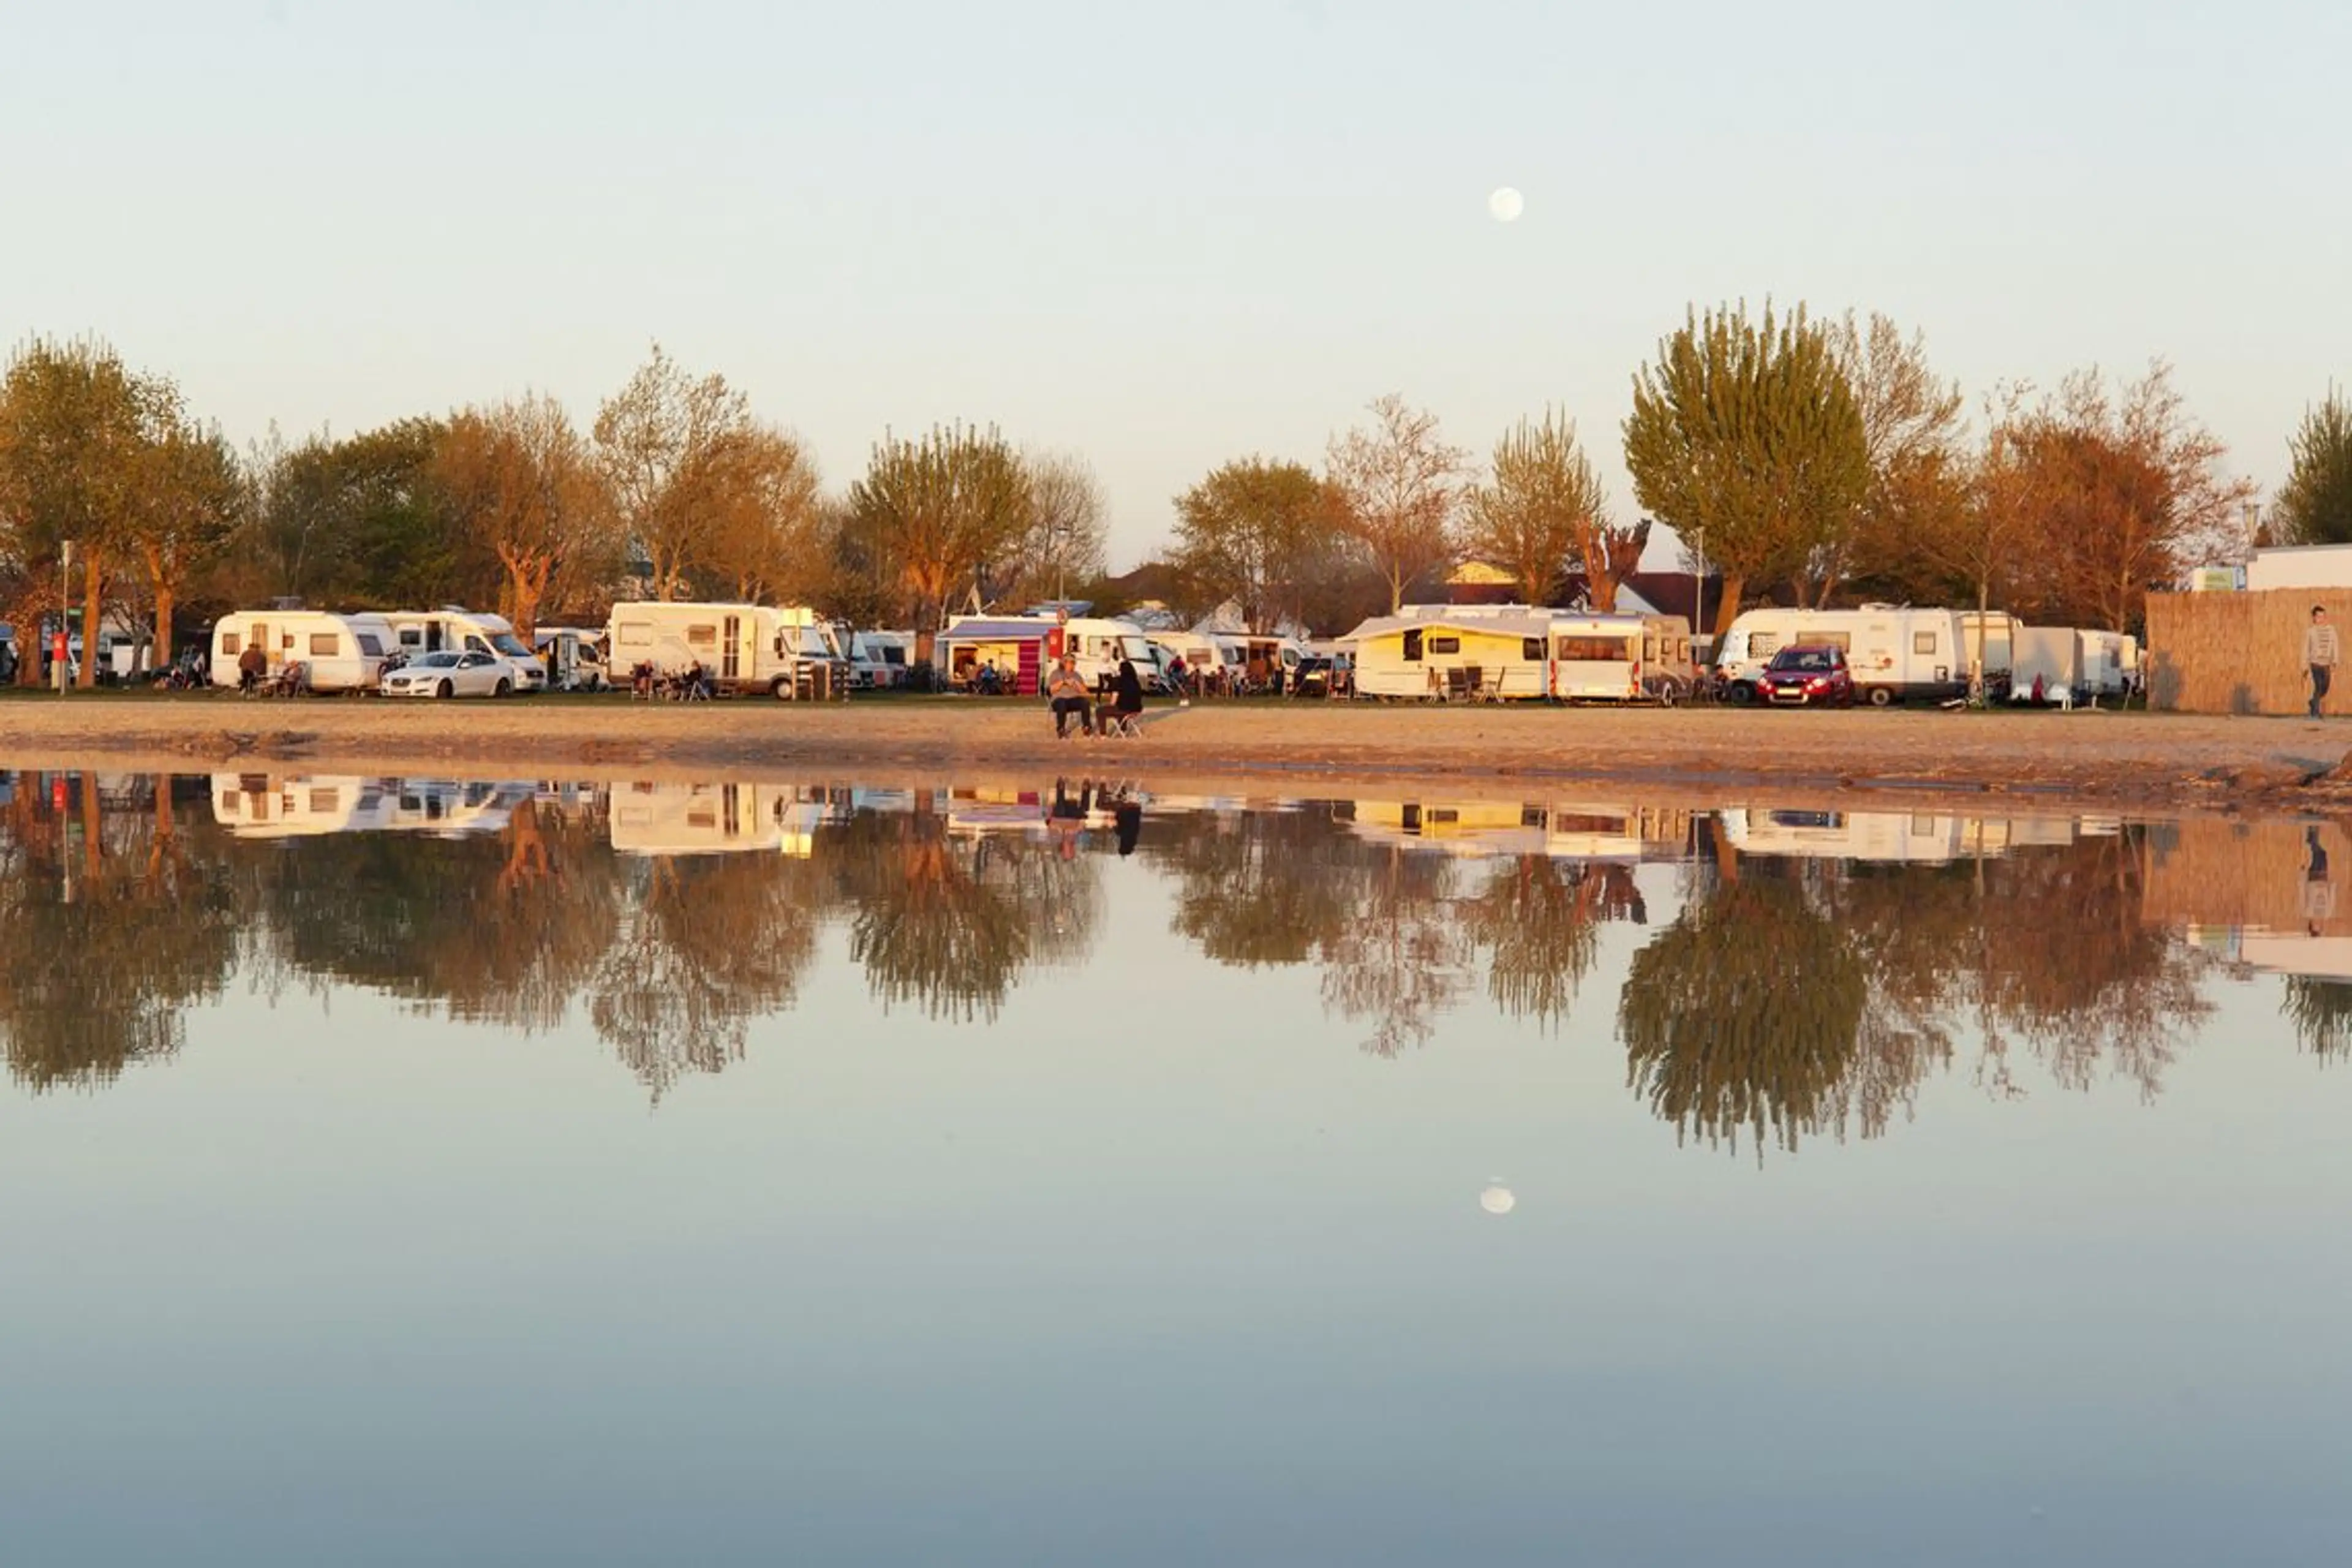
(1436, 652)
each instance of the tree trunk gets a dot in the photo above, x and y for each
(93, 581)
(160, 657)
(1726, 603)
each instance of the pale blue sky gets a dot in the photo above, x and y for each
(1164, 237)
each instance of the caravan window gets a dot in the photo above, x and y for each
(371, 645)
(286, 642)
(1923, 642)
(232, 643)
(1594, 650)
(1531, 649)
(1763, 644)
(325, 645)
(635, 633)
(1412, 644)
(703, 636)
(1841, 641)
(1445, 645)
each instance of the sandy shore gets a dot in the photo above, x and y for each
(2098, 758)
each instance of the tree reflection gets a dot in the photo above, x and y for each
(1262, 888)
(1745, 1013)
(1404, 957)
(113, 930)
(1539, 921)
(2321, 1014)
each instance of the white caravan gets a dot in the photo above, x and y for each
(1895, 653)
(2071, 666)
(786, 653)
(453, 630)
(667, 819)
(341, 653)
(1620, 658)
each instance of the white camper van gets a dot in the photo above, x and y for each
(340, 653)
(453, 630)
(786, 653)
(879, 661)
(1895, 653)
(573, 661)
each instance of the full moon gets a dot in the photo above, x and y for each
(1497, 1200)
(1506, 204)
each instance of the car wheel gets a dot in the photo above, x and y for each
(505, 688)
(1882, 695)
(1742, 693)
(444, 689)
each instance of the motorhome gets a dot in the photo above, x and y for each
(266, 805)
(787, 653)
(1620, 658)
(574, 657)
(1933, 838)
(340, 653)
(1895, 652)
(1022, 646)
(452, 628)
(880, 660)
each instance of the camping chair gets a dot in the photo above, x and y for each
(291, 680)
(1462, 683)
(1118, 724)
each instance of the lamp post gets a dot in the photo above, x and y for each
(1698, 590)
(62, 646)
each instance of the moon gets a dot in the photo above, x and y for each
(1506, 204)
(1497, 1200)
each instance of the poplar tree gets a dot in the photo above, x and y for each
(2314, 505)
(1747, 430)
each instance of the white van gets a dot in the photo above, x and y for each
(574, 660)
(878, 661)
(1895, 653)
(341, 653)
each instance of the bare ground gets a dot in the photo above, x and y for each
(2088, 758)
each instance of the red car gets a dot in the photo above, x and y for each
(1807, 677)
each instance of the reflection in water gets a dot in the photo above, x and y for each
(1785, 974)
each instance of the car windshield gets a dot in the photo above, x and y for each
(432, 661)
(1809, 661)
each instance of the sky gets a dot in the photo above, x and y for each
(1164, 238)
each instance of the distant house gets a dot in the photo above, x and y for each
(1661, 594)
(2300, 566)
(1481, 583)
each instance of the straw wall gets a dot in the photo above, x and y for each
(2241, 652)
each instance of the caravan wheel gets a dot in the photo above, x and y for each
(1882, 695)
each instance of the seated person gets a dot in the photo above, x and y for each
(1068, 689)
(1126, 699)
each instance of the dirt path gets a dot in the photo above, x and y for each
(2088, 757)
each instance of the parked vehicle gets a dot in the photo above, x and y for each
(1422, 654)
(453, 628)
(450, 673)
(1620, 658)
(1324, 675)
(879, 661)
(785, 653)
(340, 653)
(573, 659)
(1892, 653)
(1022, 646)
(1807, 676)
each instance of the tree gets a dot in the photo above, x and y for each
(1912, 430)
(1067, 522)
(1546, 509)
(362, 520)
(2125, 490)
(2314, 505)
(1397, 487)
(666, 441)
(187, 504)
(773, 534)
(73, 427)
(932, 511)
(524, 485)
(1747, 431)
(1251, 531)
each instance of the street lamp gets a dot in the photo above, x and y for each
(62, 644)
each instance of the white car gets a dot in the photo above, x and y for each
(452, 674)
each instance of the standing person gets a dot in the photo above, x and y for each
(1068, 690)
(250, 666)
(2319, 653)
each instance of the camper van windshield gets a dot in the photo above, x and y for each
(508, 644)
(1137, 648)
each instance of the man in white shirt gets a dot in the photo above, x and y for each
(2319, 654)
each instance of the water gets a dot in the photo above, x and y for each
(406, 1171)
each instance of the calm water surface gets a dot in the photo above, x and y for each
(416, 1172)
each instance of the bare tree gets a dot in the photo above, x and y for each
(1399, 489)
(1912, 430)
(664, 441)
(1068, 517)
(1546, 508)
